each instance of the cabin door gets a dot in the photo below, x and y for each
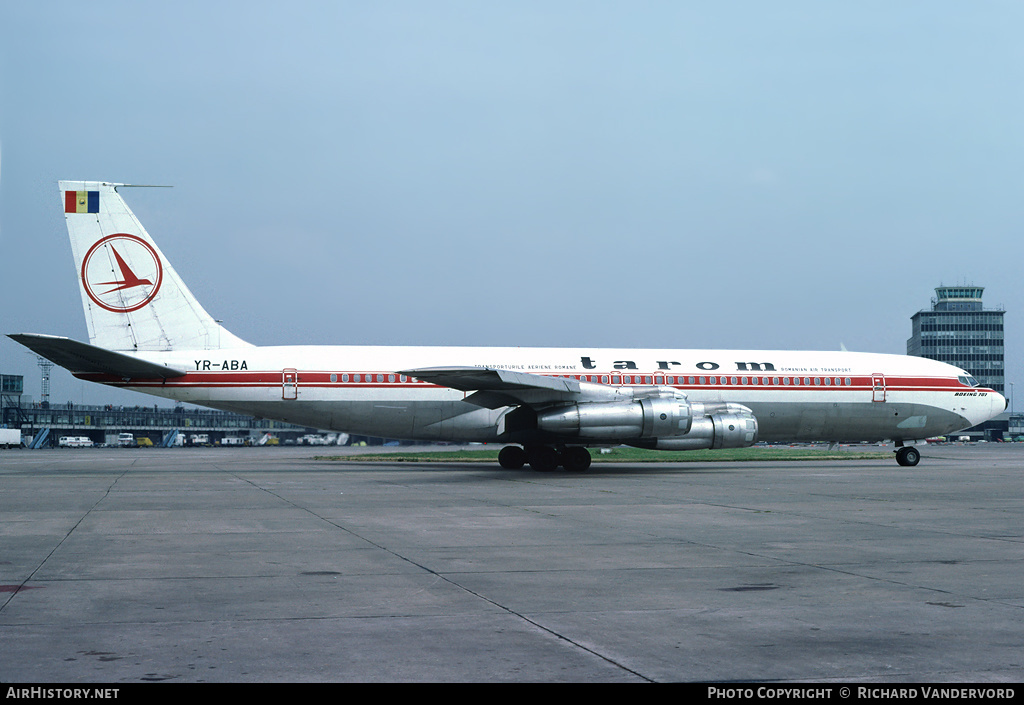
(877, 387)
(290, 383)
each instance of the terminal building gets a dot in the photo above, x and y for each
(46, 425)
(960, 331)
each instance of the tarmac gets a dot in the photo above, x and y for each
(267, 565)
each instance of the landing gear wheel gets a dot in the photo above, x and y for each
(512, 457)
(576, 459)
(908, 456)
(543, 458)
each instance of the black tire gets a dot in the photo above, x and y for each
(908, 456)
(576, 459)
(512, 457)
(543, 458)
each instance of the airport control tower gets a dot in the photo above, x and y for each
(960, 331)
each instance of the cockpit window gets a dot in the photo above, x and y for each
(968, 381)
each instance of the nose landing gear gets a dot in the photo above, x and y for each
(908, 456)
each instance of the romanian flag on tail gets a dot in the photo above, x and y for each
(81, 201)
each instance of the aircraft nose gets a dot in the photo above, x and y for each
(984, 408)
(998, 404)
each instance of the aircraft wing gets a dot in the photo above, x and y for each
(80, 357)
(494, 388)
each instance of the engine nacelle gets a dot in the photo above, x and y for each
(735, 427)
(666, 415)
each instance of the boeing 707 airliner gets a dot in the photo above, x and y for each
(548, 406)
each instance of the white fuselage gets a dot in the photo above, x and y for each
(824, 396)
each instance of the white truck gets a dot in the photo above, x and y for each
(10, 437)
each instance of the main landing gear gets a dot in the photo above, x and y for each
(908, 456)
(545, 458)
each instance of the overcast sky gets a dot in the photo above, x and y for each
(794, 175)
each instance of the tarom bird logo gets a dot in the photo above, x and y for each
(130, 280)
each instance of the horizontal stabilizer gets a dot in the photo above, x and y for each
(82, 358)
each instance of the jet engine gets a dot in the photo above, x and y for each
(732, 426)
(666, 420)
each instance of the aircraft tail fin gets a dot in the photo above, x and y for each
(133, 298)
